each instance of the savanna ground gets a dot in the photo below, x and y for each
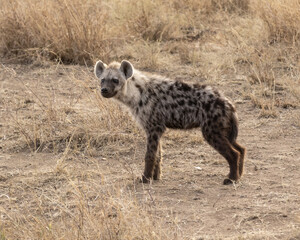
(70, 160)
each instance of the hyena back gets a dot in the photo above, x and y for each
(158, 103)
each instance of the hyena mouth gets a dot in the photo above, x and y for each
(108, 94)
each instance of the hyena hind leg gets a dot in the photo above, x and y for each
(233, 158)
(242, 151)
(224, 147)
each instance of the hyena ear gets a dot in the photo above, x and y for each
(99, 68)
(127, 69)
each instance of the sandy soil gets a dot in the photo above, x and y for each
(265, 204)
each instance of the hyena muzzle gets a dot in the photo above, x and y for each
(158, 103)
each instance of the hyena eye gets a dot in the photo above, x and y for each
(102, 80)
(115, 80)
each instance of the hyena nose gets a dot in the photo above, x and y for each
(104, 90)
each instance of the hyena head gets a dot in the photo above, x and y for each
(113, 77)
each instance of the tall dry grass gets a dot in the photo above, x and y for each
(78, 32)
(282, 18)
(68, 31)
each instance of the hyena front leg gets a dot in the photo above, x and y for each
(152, 162)
(158, 162)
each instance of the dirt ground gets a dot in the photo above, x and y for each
(265, 204)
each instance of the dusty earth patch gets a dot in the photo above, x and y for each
(190, 201)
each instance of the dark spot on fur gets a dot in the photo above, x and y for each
(198, 94)
(171, 88)
(208, 137)
(211, 96)
(215, 132)
(153, 146)
(164, 98)
(158, 129)
(191, 102)
(207, 106)
(174, 105)
(140, 103)
(151, 93)
(219, 103)
(181, 102)
(139, 88)
(155, 137)
(161, 91)
(215, 118)
(146, 101)
(185, 87)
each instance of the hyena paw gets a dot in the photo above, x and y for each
(145, 179)
(228, 181)
(157, 176)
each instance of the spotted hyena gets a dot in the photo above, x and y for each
(158, 103)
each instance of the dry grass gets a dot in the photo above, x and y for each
(214, 41)
(79, 32)
(68, 205)
(42, 121)
(282, 18)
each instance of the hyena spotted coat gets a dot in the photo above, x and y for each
(158, 103)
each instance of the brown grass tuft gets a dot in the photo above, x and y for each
(65, 31)
(282, 18)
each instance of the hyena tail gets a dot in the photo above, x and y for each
(234, 128)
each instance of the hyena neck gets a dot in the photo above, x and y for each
(131, 93)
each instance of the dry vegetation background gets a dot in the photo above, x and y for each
(52, 114)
